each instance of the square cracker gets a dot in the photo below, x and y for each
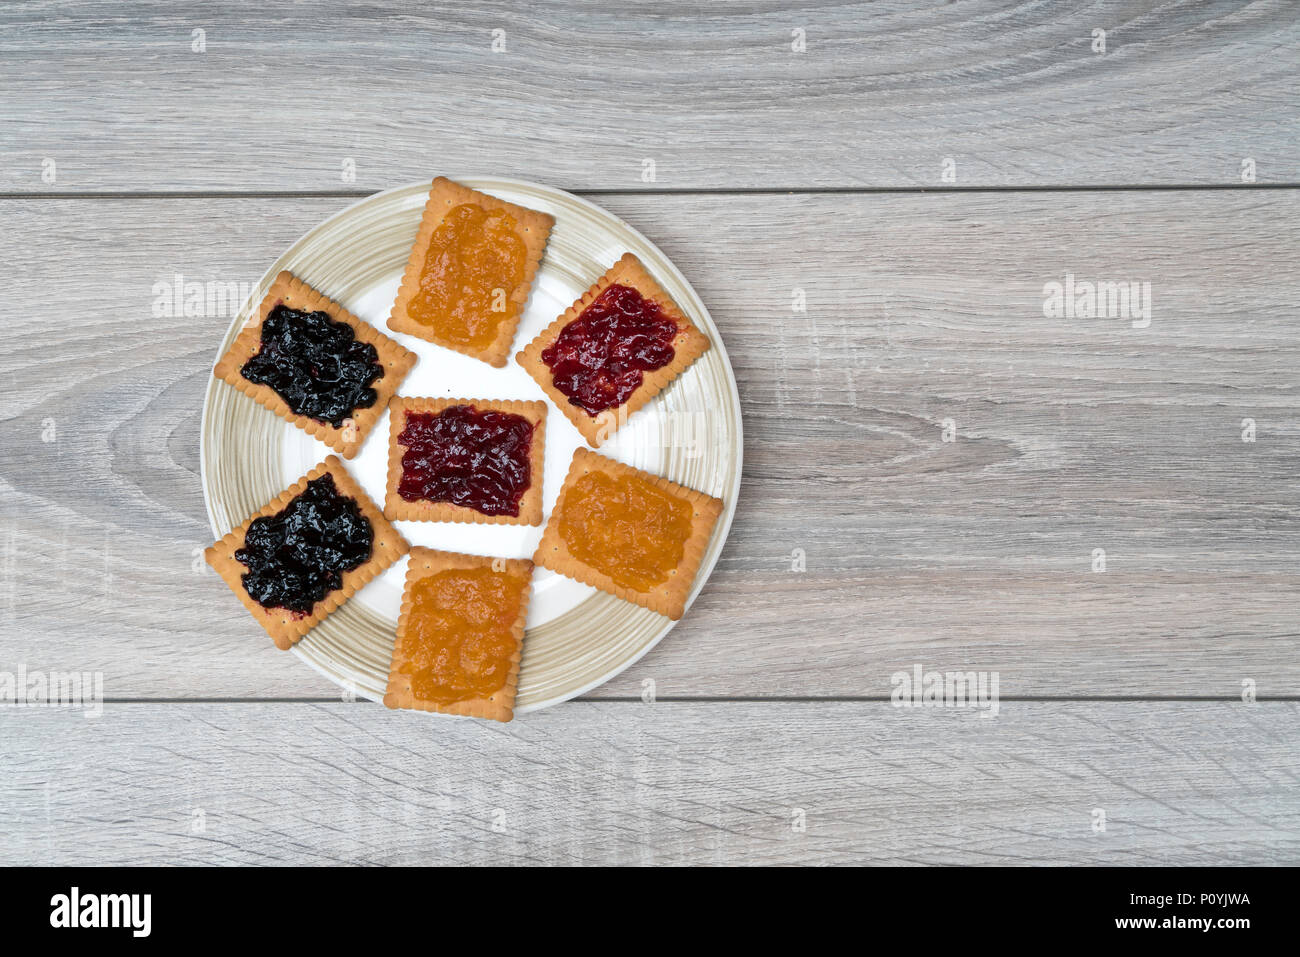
(670, 597)
(399, 509)
(296, 294)
(281, 624)
(498, 706)
(688, 346)
(445, 195)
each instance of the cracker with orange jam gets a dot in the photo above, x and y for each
(470, 271)
(497, 456)
(627, 532)
(460, 635)
(599, 400)
(287, 627)
(347, 437)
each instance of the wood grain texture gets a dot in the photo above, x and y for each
(1071, 435)
(1010, 91)
(924, 315)
(623, 783)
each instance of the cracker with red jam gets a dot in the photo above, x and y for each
(470, 271)
(306, 552)
(628, 532)
(312, 362)
(621, 344)
(465, 460)
(460, 635)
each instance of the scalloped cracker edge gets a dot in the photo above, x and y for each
(296, 294)
(689, 344)
(282, 625)
(666, 599)
(499, 706)
(398, 509)
(443, 196)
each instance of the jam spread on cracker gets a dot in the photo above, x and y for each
(625, 527)
(316, 364)
(600, 358)
(459, 639)
(298, 556)
(475, 261)
(479, 459)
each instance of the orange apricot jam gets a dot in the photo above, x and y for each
(474, 262)
(625, 527)
(459, 637)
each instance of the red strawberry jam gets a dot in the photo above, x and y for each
(472, 458)
(599, 359)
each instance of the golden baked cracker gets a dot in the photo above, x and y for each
(345, 439)
(688, 346)
(670, 597)
(498, 706)
(282, 625)
(398, 509)
(445, 195)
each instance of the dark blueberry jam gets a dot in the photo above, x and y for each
(476, 459)
(599, 359)
(298, 556)
(316, 364)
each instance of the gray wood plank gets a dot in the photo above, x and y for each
(885, 94)
(664, 783)
(1070, 435)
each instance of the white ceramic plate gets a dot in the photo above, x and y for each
(577, 637)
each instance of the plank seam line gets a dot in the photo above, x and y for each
(684, 191)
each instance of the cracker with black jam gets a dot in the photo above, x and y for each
(307, 552)
(312, 362)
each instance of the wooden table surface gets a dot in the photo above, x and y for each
(1102, 512)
